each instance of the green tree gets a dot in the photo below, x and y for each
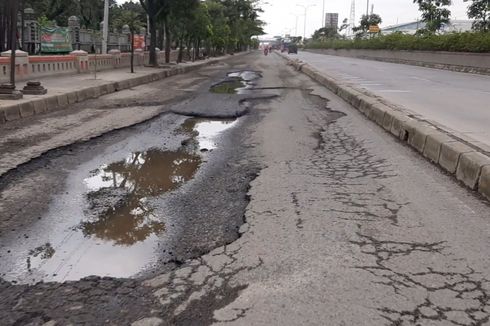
(91, 13)
(325, 33)
(153, 9)
(220, 30)
(480, 11)
(133, 21)
(434, 13)
(365, 22)
(345, 25)
(163, 17)
(117, 11)
(181, 18)
(243, 22)
(200, 28)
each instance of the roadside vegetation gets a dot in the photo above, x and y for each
(434, 14)
(216, 26)
(457, 42)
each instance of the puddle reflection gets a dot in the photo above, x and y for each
(205, 131)
(132, 181)
(238, 82)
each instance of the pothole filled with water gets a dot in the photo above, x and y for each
(239, 82)
(107, 223)
(120, 191)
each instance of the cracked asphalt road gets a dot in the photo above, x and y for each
(344, 226)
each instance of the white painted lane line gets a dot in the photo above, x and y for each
(393, 91)
(370, 84)
(423, 79)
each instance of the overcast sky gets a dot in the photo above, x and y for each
(280, 19)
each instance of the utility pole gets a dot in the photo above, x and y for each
(105, 28)
(367, 9)
(306, 10)
(323, 14)
(352, 18)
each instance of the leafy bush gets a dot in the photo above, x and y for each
(455, 42)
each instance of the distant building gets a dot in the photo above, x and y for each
(332, 20)
(412, 27)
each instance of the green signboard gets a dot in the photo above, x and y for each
(55, 40)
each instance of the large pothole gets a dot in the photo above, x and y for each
(107, 223)
(238, 82)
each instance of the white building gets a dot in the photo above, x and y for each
(412, 27)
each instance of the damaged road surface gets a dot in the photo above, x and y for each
(256, 197)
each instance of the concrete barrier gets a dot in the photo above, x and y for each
(377, 114)
(399, 120)
(455, 61)
(433, 145)
(450, 155)
(467, 162)
(27, 109)
(469, 168)
(484, 183)
(51, 103)
(39, 106)
(72, 97)
(12, 113)
(62, 100)
(419, 136)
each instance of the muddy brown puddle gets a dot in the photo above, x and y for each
(106, 224)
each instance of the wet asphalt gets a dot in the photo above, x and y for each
(132, 203)
(301, 212)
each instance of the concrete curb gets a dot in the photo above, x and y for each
(465, 161)
(61, 101)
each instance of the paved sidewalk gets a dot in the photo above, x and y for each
(69, 89)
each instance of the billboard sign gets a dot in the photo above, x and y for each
(55, 40)
(139, 42)
(374, 29)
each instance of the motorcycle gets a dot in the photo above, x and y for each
(266, 51)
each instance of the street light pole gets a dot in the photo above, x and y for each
(306, 10)
(105, 28)
(296, 24)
